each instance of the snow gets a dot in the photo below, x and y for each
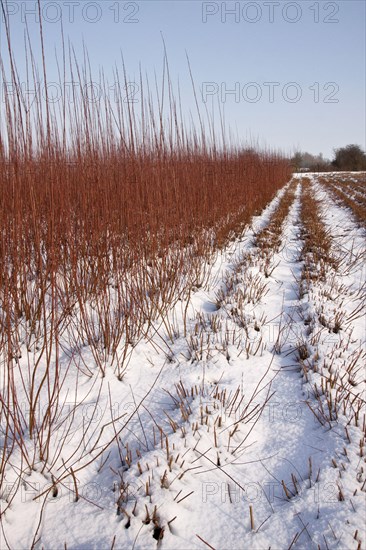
(211, 424)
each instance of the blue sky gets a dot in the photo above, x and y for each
(296, 70)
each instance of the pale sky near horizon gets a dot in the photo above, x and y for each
(289, 75)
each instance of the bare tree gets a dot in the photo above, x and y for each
(351, 157)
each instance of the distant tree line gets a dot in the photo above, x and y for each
(349, 158)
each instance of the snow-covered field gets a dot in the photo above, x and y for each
(240, 420)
